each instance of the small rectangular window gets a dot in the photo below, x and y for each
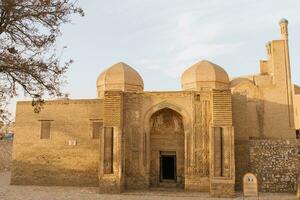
(297, 134)
(96, 129)
(45, 129)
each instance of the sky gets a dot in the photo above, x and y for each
(162, 38)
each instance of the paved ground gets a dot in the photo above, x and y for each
(9, 192)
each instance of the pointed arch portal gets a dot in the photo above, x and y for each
(166, 127)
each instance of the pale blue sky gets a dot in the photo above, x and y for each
(161, 38)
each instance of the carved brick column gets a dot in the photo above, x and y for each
(197, 144)
(111, 161)
(222, 167)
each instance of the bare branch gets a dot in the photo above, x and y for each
(28, 31)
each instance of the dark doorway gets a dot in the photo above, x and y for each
(168, 167)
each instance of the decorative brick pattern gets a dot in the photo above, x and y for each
(112, 108)
(222, 108)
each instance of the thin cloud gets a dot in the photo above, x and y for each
(192, 42)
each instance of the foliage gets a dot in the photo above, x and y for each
(28, 60)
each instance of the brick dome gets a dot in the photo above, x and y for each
(204, 74)
(119, 77)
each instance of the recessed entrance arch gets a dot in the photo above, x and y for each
(187, 128)
(166, 147)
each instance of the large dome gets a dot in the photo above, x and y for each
(119, 77)
(204, 74)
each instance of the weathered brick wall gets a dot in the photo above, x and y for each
(241, 148)
(135, 159)
(54, 161)
(276, 163)
(5, 155)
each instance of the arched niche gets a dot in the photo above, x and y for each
(180, 127)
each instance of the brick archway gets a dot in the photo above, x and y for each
(166, 148)
(187, 130)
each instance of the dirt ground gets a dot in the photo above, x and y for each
(12, 192)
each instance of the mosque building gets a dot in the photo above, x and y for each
(204, 137)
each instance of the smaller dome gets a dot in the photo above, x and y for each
(204, 74)
(119, 77)
(237, 81)
(268, 44)
(283, 21)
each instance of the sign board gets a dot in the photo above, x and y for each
(250, 185)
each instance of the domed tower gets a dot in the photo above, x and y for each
(204, 74)
(119, 77)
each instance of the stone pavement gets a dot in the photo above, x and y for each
(12, 192)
